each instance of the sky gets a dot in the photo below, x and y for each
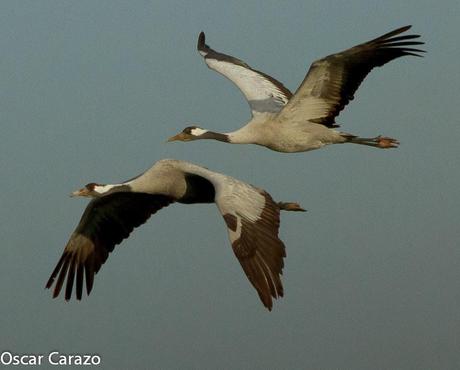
(91, 90)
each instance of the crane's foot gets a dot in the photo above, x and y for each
(288, 206)
(382, 142)
(386, 142)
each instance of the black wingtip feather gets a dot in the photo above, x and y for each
(55, 272)
(201, 45)
(393, 33)
(415, 50)
(79, 281)
(404, 43)
(388, 41)
(61, 278)
(416, 55)
(403, 37)
(89, 274)
(70, 279)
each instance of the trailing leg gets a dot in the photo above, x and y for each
(381, 142)
(288, 206)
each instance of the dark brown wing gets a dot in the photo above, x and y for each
(331, 82)
(253, 219)
(261, 253)
(105, 223)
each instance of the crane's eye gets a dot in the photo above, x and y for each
(188, 130)
(91, 186)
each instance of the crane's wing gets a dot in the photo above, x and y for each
(105, 223)
(252, 219)
(263, 93)
(332, 81)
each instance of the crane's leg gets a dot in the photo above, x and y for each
(288, 206)
(382, 142)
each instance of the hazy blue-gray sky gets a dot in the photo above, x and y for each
(90, 90)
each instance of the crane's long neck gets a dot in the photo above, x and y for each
(235, 137)
(215, 136)
(248, 134)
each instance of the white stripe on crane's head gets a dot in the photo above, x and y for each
(102, 189)
(197, 131)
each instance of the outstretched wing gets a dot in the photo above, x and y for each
(252, 219)
(263, 93)
(105, 223)
(332, 81)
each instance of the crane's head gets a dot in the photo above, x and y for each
(189, 133)
(92, 190)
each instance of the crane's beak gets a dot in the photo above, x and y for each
(179, 137)
(84, 192)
